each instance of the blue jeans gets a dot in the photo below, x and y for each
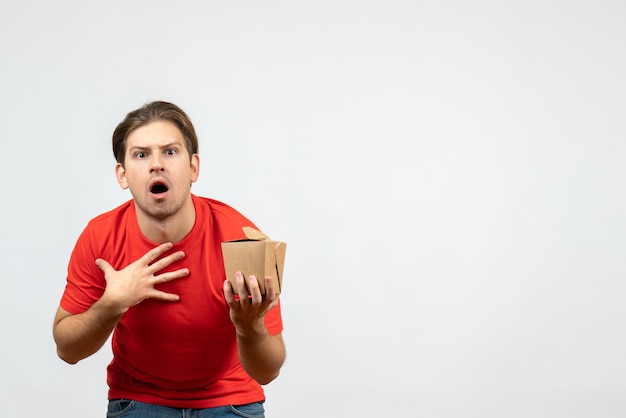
(125, 408)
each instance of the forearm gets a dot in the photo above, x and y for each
(79, 336)
(261, 354)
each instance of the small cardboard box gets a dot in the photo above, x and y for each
(255, 255)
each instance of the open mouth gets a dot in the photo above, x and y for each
(158, 188)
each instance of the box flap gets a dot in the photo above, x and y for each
(254, 234)
(279, 257)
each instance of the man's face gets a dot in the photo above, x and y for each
(157, 169)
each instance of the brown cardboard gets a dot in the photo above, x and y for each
(256, 255)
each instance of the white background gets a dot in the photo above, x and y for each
(448, 177)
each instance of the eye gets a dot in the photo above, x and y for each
(140, 155)
(170, 151)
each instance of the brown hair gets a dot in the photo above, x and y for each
(151, 112)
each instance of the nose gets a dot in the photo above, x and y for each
(156, 163)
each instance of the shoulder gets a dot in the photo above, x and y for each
(223, 216)
(220, 210)
(107, 230)
(105, 221)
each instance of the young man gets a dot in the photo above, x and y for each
(151, 272)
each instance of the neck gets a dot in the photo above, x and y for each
(172, 228)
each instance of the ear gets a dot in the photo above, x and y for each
(120, 173)
(195, 167)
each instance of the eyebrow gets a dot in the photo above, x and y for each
(174, 144)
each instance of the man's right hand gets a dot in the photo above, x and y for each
(80, 335)
(135, 282)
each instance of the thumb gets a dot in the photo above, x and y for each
(103, 265)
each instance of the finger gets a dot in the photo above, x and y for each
(164, 296)
(270, 292)
(241, 286)
(171, 275)
(228, 292)
(166, 261)
(255, 290)
(156, 252)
